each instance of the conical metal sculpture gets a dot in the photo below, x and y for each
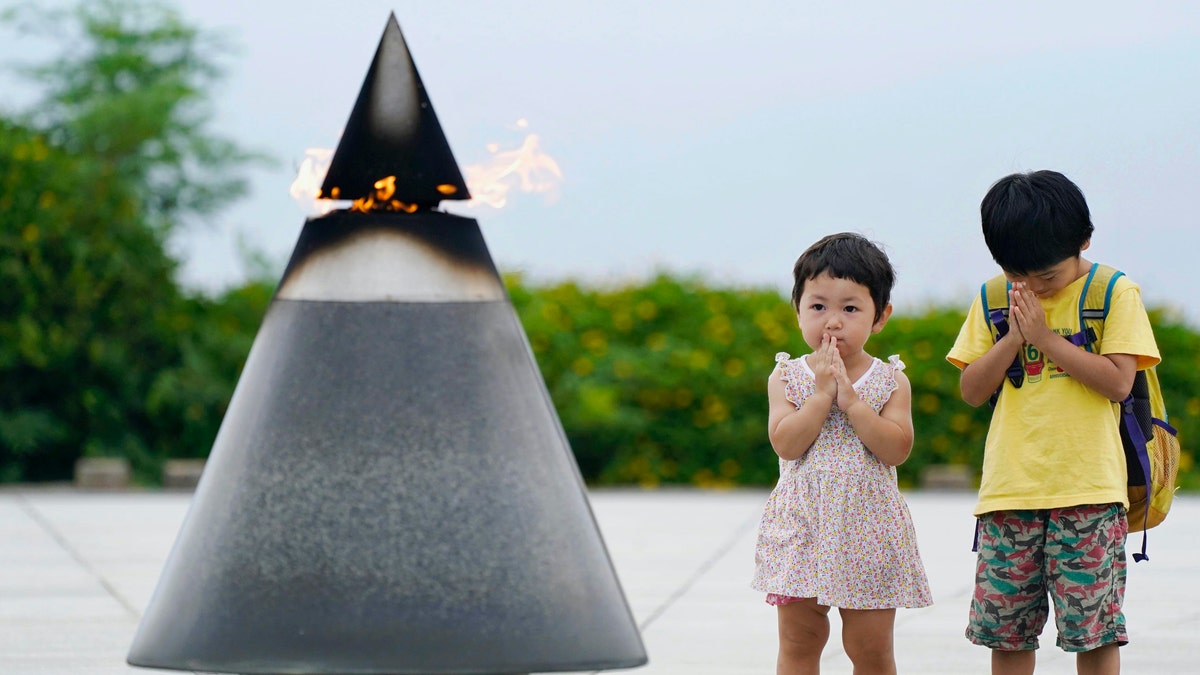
(391, 490)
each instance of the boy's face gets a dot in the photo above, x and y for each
(840, 308)
(1048, 282)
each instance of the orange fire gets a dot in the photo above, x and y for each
(382, 199)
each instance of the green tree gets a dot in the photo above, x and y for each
(101, 352)
(130, 89)
(87, 299)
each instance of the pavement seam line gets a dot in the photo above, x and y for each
(58, 537)
(703, 569)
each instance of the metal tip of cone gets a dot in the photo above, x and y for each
(394, 131)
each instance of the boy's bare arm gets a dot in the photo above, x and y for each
(981, 377)
(791, 430)
(1111, 375)
(888, 434)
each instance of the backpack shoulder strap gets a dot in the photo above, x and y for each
(1094, 302)
(994, 296)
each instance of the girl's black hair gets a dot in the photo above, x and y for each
(847, 256)
(1033, 221)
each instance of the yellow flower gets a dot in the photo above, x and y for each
(582, 366)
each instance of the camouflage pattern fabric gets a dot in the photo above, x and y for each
(1072, 557)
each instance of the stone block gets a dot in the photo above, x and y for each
(104, 473)
(182, 473)
(947, 477)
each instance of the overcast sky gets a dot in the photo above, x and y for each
(724, 137)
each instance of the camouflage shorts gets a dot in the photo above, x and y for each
(1073, 557)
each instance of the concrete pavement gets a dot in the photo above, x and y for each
(76, 569)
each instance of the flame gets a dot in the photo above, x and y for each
(382, 199)
(527, 168)
(306, 188)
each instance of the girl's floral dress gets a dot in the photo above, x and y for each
(836, 527)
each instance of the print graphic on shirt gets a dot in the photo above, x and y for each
(1053, 368)
(1035, 362)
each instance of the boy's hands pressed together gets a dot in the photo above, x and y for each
(1029, 317)
(1110, 375)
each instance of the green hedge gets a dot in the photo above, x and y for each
(665, 381)
(658, 382)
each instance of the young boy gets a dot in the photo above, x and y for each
(1053, 494)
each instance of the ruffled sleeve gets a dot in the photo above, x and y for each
(783, 366)
(894, 364)
(791, 378)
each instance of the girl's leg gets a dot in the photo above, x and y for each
(803, 631)
(867, 639)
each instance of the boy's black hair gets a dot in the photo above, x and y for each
(1033, 221)
(847, 256)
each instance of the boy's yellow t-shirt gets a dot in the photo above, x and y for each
(1054, 442)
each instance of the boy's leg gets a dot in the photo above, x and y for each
(1009, 606)
(1104, 660)
(867, 637)
(803, 631)
(1085, 568)
(1013, 663)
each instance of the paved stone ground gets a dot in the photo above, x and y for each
(76, 569)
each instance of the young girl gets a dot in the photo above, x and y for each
(836, 532)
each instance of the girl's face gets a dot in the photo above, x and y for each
(839, 308)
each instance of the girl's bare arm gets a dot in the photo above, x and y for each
(792, 430)
(888, 434)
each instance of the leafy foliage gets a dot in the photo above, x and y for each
(86, 296)
(101, 352)
(661, 382)
(130, 90)
(665, 382)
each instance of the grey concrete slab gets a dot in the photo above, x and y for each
(78, 568)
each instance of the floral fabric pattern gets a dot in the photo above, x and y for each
(836, 527)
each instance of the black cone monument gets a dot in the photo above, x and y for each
(391, 490)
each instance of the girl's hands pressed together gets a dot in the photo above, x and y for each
(845, 394)
(821, 361)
